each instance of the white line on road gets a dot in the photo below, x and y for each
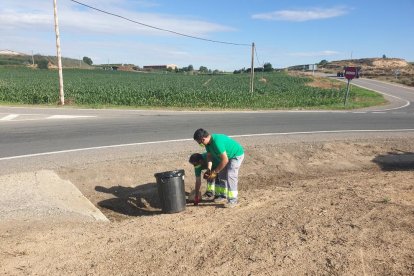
(183, 140)
(407, 103)
(38, 117)
(68, 117)
(9, 117)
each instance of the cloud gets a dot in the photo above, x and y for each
(78, 19)
(315, 54)
(12, 20)
(302, 15)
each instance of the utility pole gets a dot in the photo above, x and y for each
(32, 59)
(61, 94)
(252, 71)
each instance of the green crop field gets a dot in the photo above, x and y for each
(99, 88)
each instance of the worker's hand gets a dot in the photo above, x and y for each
(212, 176)
(207, 174)
(196, 200)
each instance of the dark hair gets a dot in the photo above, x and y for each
(200, 133)
(195, 158)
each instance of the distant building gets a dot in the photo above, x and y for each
(160, 67)
(304, 67)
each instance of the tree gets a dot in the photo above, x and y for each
(323, 62)
(203, 69)
(43, 64)
(267, 67)
(384, 56)
(87, 60)
(190, 68)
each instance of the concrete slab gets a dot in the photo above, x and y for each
(39, 194)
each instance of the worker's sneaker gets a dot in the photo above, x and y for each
(231, 204)
(208, 196)
(220, 200)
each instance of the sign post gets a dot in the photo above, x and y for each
(350, 73)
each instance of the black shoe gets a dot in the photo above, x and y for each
(208, 196)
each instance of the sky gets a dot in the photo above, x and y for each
(285, 32)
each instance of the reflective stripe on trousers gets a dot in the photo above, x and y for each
(229, 178)
(210, 186)
(216, 188)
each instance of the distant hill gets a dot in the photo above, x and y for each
(11, 53)
(12, 58)
(370, 63)
(8, 57)
(390, 69)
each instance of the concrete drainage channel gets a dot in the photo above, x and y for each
(41, 194)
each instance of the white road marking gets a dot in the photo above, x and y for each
(34, 117)
(407, 103)
(183, 140)
(9, 117)
(68, 117)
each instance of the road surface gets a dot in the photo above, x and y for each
(28, 132)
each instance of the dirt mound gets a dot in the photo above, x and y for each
(326, 208)
(390, 63)
(364, 63)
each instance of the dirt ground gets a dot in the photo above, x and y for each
(309, 208)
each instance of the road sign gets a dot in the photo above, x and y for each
(351, 72)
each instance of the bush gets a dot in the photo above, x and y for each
(43, 64)
(87, 60)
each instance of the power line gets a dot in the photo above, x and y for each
(157, 28)
(257, 57)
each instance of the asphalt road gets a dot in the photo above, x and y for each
(28, 131)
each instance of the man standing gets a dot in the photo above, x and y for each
(231, 155)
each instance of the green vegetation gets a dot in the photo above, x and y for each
(99, 88)
(267, 67)
(87, 60)
(323, 62)
(43, 64)
(24, 60)
(15, 60)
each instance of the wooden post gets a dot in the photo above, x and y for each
(59, 57)
(252, 71)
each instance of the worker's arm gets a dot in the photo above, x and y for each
(209, 162)
(224, 160)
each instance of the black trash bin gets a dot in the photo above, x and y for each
(171, 191)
